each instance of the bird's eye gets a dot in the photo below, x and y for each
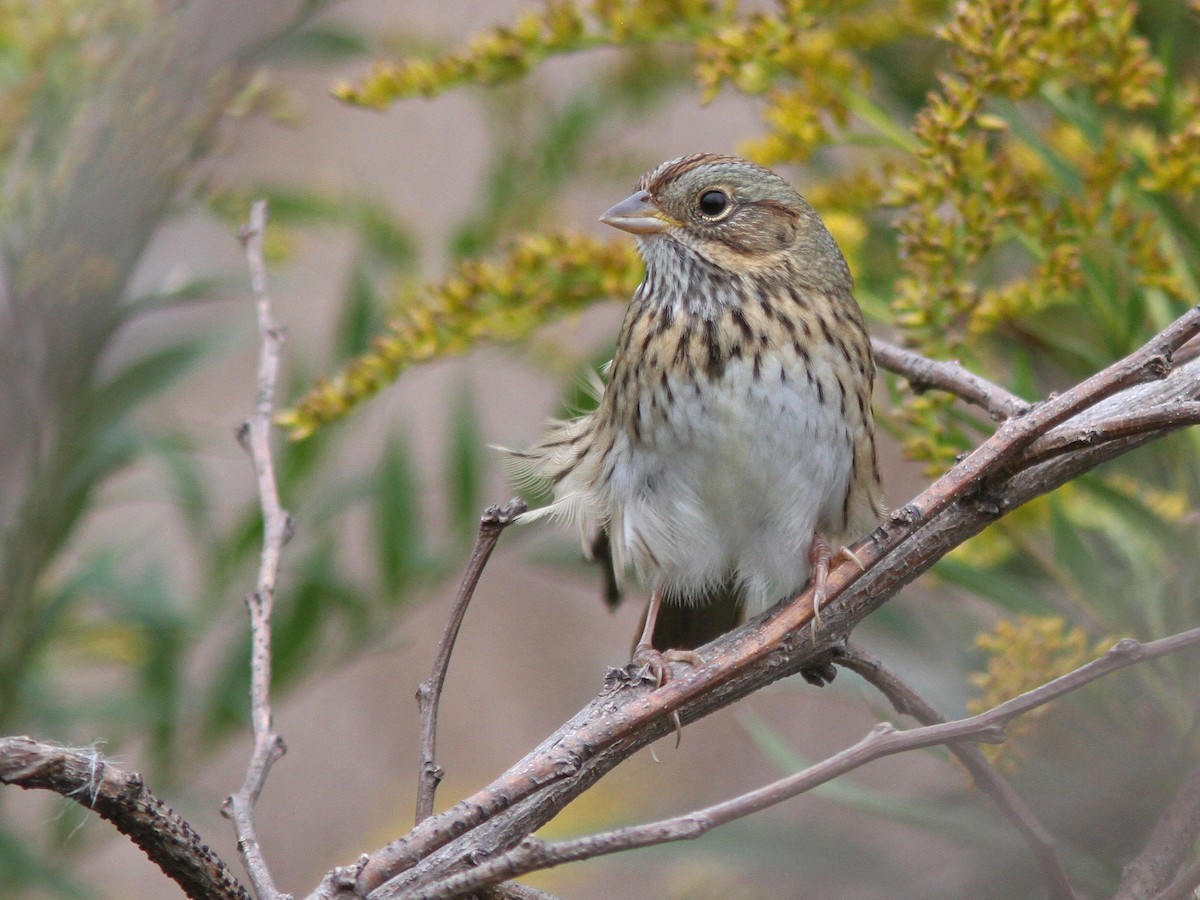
(713, 203)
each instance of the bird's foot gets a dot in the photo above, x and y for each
(819, 556)
(819, 674)
(655, 662)
(850, 556)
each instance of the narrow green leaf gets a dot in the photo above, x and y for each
(999, 587)
(396, 508)
(141, 379)
(360, 319)
(177, 456)
(323, 43)
(464, 465)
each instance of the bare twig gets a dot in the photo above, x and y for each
(255, 436)
(625, 717)
(907, 701)
(96, 783)
(1168, 847)
(495, 519)
(883, 740)
(1185, 886)
(512, 890)
(923, 373)
(1157, 418)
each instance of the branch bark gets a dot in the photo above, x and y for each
(485, 838)
(255, 437)
(1168, 847)
(923, 373)
(94, 782)
(429, 693)
(883, 740)
(907, 701)
(996, 478)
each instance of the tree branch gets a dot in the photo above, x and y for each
(94, 782)
(1168, 847)
(255, 437)
(1165, 417)
(907, 701)
(923, 373)
(495, 519)
(1184, 887)
(883, 740)
(627, 716)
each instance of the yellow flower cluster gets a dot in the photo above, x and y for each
(509, 52)
(1048, 169)
(51, 50)
(1023, 654)
(540, 278)
(1023, 193)
(1173, 163)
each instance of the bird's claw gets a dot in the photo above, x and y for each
(655, 661)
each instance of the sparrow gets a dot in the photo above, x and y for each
(732, 448)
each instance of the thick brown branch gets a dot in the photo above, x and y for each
(1168, 847)
(94, 782)
(998, 456)
(883, 740)
(495, 520)
(923, 373)
(907, 701)
(255, 436)
(1184, 887)
(627, 716)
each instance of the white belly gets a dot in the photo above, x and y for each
(732, 484)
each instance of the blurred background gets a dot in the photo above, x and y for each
(1015, 187)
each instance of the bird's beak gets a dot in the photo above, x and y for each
(638, 215)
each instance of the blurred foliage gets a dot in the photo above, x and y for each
(111, 113)
(542, 277)
(1024, 653)
(1015, 184)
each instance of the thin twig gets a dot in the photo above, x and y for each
(1168, 847)
(625, 717)
(1157, 418)
(512, 890)
(907, 701)
(1185, 886)
(429, 694)
(97, 784)
(883, 740)
(255, 437)
(923, 373)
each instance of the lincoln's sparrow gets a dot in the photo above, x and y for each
(733, 442)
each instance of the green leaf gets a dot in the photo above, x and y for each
(360, 320)
(998, 587)
(1078, 560)
(22, 872)
(324, 43)
(177, 456)
(397, 513)
(143, 378)
(464, 466)
(304, 612)
(386, 241)
(962, 823)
